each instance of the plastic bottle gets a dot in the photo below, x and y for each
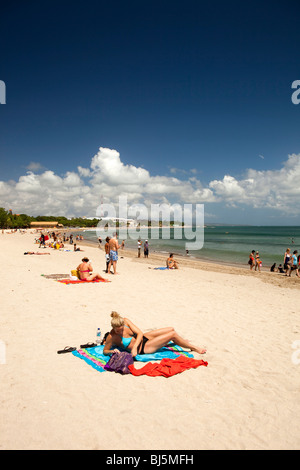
(98, 336)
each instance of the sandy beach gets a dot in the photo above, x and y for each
(246, 398)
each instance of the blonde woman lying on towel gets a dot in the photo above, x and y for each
(126, 335)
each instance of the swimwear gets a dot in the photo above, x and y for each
(287, 261)
(113, 255)
(126, 341)
(142, 345)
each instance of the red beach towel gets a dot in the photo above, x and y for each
(168, 367)
(80, 281)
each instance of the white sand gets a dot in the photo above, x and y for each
(247, 397)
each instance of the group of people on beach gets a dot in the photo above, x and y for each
(291, 263)
(146, 248)
(254, 261)
(124, 334)
(59, 240)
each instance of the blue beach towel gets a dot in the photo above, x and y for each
(95, 357)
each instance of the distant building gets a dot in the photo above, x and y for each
(45, 225)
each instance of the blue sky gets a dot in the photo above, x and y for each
(196, 94)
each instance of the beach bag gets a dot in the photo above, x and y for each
(74, 273)
(119, 362)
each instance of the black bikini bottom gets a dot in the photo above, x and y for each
(142, 345)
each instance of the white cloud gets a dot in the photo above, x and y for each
(275, 189)
(79, 193)
(35, 166)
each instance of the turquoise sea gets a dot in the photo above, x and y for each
(222, 243)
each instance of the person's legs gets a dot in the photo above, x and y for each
(157, 342)
(115, 266)
(158, 332)
(92, 277)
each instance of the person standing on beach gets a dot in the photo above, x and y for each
(146, 249)
(251, 260)
(113, 252)
(106, 248)
(287, 260)
(294, 266)
(257, 261)
(139, 248)
(42, 240)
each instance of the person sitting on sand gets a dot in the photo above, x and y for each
(280, 269)
(77, 248)
(273, 268)
(42, 240)
(85, 271)
(126, 335)
(171, 263)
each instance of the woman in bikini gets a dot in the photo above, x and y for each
(287, 260)
(126, 335)
(85, 271)
(171, 263)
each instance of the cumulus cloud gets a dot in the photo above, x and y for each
(79, 193)
(274, 189)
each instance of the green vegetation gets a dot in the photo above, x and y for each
(9, 220)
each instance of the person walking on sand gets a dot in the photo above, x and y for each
(113, 252)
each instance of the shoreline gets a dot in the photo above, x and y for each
(161, 253)
(159, 259)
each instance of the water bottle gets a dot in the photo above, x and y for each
(98, 336)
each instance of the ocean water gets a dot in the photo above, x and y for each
(228, 244)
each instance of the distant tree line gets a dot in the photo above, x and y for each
(10, 220)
